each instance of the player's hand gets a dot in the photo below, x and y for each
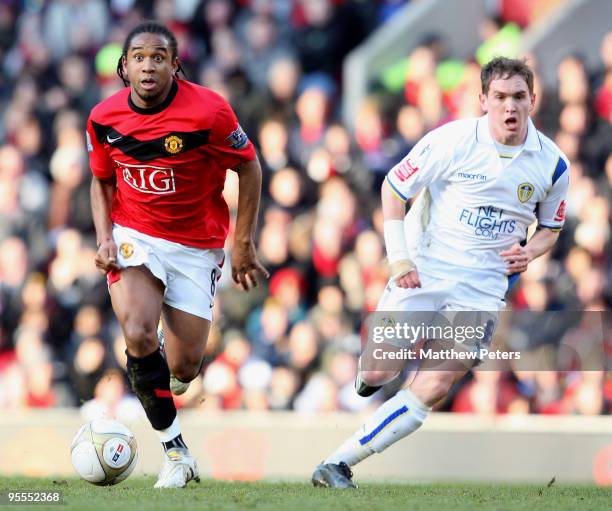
(106, 257)
(409, 281)
(245, 265)
(404, 273)
(517, 258)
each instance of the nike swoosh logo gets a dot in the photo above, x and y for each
(111, 140)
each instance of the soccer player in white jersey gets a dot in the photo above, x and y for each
(485, 180)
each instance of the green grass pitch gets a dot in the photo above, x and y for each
(137, 494)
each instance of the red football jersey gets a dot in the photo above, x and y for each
(169, 162)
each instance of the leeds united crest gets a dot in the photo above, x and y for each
(524, 191)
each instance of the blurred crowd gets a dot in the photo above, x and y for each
(293, 343)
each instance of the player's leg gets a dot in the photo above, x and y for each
(404, 408)
(405, 412)
(187, 311)
(185, 343)
(137, 301)
(186, 319)
(185, 338)
(372, 374)
(395, 419)
(399, 416)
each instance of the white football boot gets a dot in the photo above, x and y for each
(179, 468)
(177, 387)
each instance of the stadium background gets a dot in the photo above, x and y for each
(293, 344)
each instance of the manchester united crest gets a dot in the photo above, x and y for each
(173, 144)
(126, 250)
(524, 191)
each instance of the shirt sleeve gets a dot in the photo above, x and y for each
(101, 165)
(228, 143)
(551, 211)
(425, 163)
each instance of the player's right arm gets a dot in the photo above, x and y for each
(402, 269)
(102, 191)
(417, 170)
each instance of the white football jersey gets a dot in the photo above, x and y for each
(473, 207)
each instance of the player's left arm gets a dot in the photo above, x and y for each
(245, 265)
(551, 217)
(231, 147)
(518, 257)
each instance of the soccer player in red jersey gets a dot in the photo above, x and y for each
(159, 150)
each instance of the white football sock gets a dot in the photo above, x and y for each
(171, 432)
(395, 418)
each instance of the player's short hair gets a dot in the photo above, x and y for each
(148, 27)
(503, 67)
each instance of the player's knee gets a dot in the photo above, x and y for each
(377, 378)
(140, 335)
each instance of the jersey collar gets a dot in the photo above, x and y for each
(156, 109)
(483, 135)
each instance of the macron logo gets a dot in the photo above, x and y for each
(475, 177)
(405, 169)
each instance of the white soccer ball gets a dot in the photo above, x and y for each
(104, 452)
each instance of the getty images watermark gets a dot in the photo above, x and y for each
(403, 334)
(525, 340)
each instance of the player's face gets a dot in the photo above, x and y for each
(150, 68)
(508, 104)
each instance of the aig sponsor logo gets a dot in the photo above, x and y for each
(148, 179)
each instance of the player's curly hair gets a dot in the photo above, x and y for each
(148, 27)
(503, 67)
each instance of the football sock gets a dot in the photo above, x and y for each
(176, 442)
(171, 437)
(395, 418)
(150, 379)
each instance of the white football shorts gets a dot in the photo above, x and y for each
(190, 275)
(452, 299)
(437, 295)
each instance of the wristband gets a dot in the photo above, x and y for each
(401, 268)
(397, 253)
(395, 240)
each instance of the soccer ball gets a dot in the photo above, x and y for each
(104, 452)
